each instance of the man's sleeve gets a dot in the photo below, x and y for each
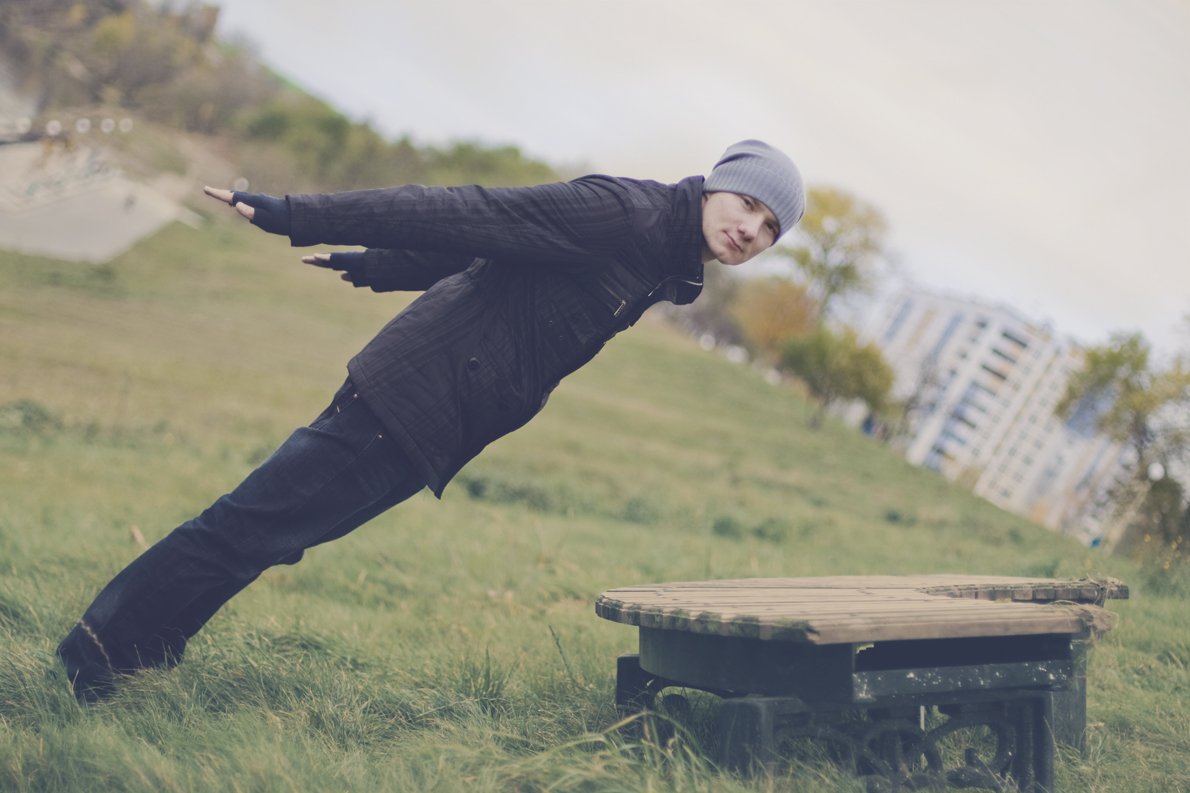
(386, 270)
(560, 222)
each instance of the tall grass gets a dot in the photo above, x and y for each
(448, 645)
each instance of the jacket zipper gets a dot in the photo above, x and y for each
(624, 303)
(665, 281)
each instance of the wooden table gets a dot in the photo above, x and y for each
(860, 662)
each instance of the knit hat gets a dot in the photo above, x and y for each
(754, 168)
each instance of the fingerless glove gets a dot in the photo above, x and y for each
(351, 264)
(272, 213)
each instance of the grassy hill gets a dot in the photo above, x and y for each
(448, 645)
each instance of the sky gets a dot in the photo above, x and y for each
(1034, 153)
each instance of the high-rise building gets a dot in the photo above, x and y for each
(981, 383)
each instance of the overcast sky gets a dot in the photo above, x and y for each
(1033, 152)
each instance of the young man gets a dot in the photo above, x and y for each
(522, 287)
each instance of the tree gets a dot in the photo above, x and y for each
(1160, 528)
(921, 400)
(1125, 397)
(836, 366)
(162, 60)
(770, 311)
(837, 244)
(1120, 392)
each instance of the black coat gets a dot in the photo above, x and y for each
(523, 286)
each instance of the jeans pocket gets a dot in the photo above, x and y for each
(343, 398)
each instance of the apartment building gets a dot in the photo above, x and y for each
(982, 382)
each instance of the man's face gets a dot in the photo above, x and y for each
(735, 227)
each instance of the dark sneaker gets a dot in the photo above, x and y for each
(87, 666)
(94, 669)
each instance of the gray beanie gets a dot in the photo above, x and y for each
(754, 168)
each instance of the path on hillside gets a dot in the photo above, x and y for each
(70, 202)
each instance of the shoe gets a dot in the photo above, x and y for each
(87, 666)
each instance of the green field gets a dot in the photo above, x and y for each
(449, 645)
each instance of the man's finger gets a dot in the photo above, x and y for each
(245, 210)
(218, 193)
(318, 259)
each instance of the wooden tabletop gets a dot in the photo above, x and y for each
(858, 609)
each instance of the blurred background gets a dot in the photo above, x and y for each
(997, 228)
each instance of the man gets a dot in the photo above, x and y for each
(522, 286)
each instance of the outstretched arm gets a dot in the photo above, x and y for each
(561, 222)
(388, 270)
(383, 270)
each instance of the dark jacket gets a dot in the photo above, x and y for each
(523, 286)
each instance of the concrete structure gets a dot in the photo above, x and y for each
(68, 201)
(982, 383)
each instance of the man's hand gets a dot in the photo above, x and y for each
(264, 211)
(345, 262)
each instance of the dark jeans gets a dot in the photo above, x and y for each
(325, 480)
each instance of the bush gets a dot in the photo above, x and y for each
(836, 366)
(25, 416)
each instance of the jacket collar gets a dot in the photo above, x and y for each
(686, 266)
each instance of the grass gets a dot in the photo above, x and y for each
(448, 645)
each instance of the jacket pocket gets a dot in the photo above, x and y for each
(490, 403)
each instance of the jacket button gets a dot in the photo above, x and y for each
(473, 364)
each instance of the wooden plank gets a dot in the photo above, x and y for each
(1080, 588)
(1078, 591)
(839, 609)
(923, 609)
(992, 624)
(850, 582)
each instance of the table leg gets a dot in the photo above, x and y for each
(635, 688)
(1070, 704)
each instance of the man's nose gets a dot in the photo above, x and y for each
(749, 228)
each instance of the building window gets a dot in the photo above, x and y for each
(1018, 341)
(1000, 353)
(998, 375)
(952, 325)
(898, 320)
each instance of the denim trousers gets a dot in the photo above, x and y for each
(324, 481)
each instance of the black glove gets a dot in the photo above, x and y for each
(272, 213)
(349, 263)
